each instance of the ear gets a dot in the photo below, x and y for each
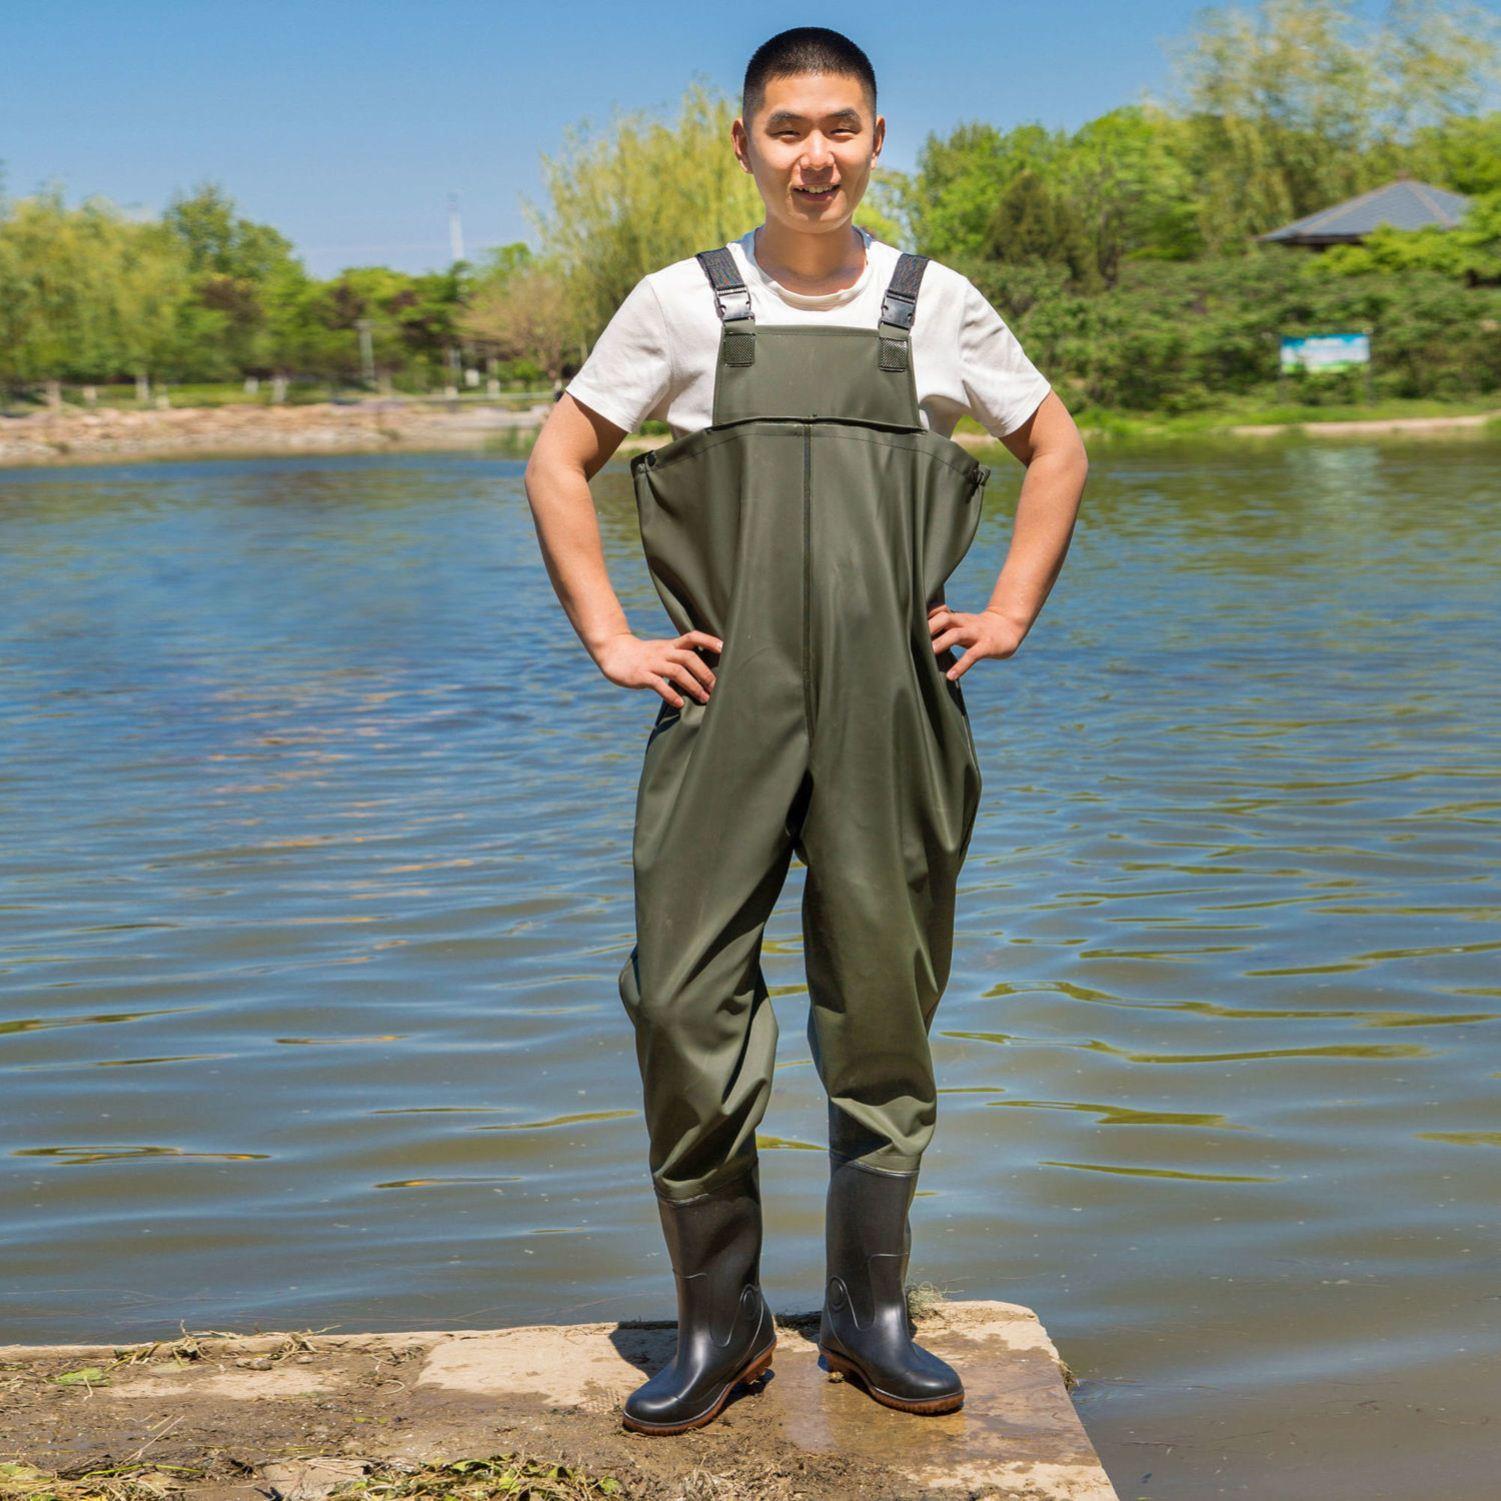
(740, 143)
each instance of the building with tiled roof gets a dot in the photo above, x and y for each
(1403, 204)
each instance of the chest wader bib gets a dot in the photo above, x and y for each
(810, 527)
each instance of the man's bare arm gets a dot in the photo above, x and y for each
(1049, 444)
(574, 444)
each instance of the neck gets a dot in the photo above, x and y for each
(810, 263)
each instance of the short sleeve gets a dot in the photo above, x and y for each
(628, 373)
(1002, 387)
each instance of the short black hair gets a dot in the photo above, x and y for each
(803, 49)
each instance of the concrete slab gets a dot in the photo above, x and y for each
(301, 1413)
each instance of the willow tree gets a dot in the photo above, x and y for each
(157, 326)
(639, 195)
(85, 294)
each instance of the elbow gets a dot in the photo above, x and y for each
(1070, 458)
(1078, 457)
(1078, 452)
(538, 463)
(550, 469)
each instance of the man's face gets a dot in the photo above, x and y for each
(812, 132)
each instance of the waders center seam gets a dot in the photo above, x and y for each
(807, 577)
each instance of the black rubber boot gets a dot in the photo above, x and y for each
(726, 1333)
(865, 1331)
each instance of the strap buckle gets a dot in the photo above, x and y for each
(734, 303)
(898, 308)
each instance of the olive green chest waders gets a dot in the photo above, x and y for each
(810, 528)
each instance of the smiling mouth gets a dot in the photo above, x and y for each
(818, 194)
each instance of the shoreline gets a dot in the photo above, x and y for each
(108, 436)
(74, 437)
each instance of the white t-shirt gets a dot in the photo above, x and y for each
(656, 358)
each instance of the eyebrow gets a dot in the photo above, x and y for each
(783, 117)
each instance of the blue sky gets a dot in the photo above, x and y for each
(348, 123)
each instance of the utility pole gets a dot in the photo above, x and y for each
(455, 228)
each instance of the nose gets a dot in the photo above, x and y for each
(818, 155)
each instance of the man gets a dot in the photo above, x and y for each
(799, 529)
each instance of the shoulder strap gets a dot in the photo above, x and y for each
(732, 302)
(731, 295)
(899, 309)
(899, 305)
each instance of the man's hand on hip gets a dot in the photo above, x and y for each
(987, 634)
(659, 663)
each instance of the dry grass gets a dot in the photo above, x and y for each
(516, 1476)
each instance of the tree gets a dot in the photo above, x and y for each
(1463, 153)
(158, 328)
(219, 241)
(644, 194)
(1127, 174)
(526, 315)
(497, 263)
(959, 178)
(86, 294)
(233, 265)
(1030, 223)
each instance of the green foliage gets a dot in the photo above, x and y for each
(882, 209)
(237, 269)
(411, 320)
(203, 294)
(1119, 186)
(1463, 152)
(1278, 112)
(1123, 254)
(1032, 225)
(221, 243)
(531, 315)
(86, 293)
(1128, 176)
(1173, 337)
(501, 262)
(951, 201)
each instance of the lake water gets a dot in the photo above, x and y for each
(315, 882)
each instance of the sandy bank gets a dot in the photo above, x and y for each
(1370, 425)
(74, 436)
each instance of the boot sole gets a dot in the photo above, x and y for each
(754, 1368)
(927, 1407)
